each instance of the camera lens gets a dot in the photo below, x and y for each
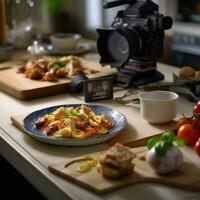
(118, 47)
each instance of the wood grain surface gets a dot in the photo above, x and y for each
(187, 178)
(17, 85)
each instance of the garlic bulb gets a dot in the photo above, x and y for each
(168, 163)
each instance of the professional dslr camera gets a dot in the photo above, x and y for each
(134, 42)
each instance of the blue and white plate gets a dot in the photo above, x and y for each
(118, 119)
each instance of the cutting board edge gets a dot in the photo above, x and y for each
(35, 93)
(8, 90)
(54, 171)
(137, 180)
(190, 188)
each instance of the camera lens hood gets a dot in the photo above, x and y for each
(117, 46)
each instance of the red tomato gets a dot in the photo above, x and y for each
(196, 109)
(187, 133)
(197, 147)
(182, 121)
(196, 123)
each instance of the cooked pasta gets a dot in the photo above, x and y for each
(76, 123)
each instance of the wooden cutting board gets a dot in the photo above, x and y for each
(187, 178)
(17, 85)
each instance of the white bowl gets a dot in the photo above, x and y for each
(158, 107)
(65, 41)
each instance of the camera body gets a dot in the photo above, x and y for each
(148, 42)
(135, 36)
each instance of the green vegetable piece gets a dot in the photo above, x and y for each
(164, 142)
(74, 113)
(151, 143)
(59, 65)
(168, 136)
(179, 143)
(161, 148)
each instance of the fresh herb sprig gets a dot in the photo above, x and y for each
(59, 65)
(163, 142)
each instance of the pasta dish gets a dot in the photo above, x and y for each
(77, 123)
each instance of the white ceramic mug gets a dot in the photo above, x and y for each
(158, 107)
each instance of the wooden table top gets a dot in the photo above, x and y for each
(31, 157)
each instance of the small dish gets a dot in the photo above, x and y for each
(65, 41)
(118, 119)
(79, 49)
(6, 52)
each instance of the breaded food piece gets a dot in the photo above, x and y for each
(116, 162)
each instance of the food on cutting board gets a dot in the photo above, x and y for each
(86, 164)
(163, 155)
(189, 129)
(116, 162)
(77, 123)
(51, 69)
(188, 72)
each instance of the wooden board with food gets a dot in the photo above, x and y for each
(47, 76)
(120, 166)
(171, 158)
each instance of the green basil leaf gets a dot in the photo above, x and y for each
(164, 142)
(168, 136)
(151, 143)
(161, 148)
(179, 142)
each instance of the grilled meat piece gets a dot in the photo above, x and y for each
(41, 122)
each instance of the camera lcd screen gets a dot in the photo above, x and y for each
(98, 89)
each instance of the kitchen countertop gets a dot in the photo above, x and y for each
(31, 157)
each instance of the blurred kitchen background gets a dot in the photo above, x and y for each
(28, 18)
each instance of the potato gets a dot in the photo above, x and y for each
(186, 72)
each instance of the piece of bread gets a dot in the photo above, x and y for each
(114, 173)
(116, 162)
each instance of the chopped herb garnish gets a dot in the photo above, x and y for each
(74, 113)
(59, 65)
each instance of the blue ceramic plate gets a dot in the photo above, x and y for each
(116, 117)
